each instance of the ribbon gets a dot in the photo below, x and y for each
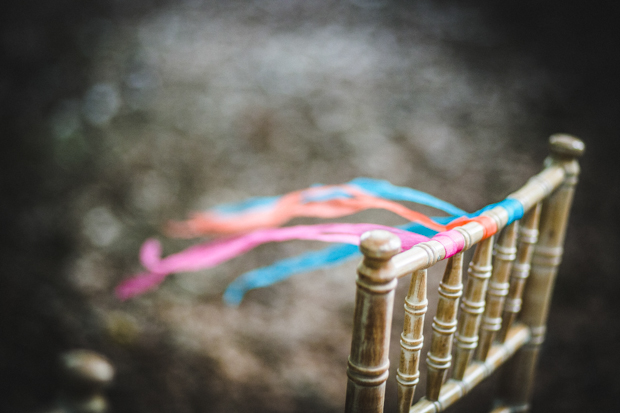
(451, 240)
(260, 214)
(319, 202)
(210, 254)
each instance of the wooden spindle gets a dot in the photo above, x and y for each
(472, 306)
(374, 302)
(505, 253)
(85, 374)
(528, 236)
(444, 326)
(411, 340)
(519, 373)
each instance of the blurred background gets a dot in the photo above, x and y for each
(117, 116)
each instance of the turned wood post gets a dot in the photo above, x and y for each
(374, 302)
(85, 374)
(472, 306)
(519, 374)
(411, 340)
(444, 326)
(528, 237)
(505, 253)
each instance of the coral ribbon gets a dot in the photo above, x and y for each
(259, 215)
(343, 200)
(451, 240)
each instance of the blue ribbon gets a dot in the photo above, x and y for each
(376, 187)
(283, 269)
(338, 254)
(514, 209)
(384, 189)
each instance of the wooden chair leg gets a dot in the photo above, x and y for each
(519, 374)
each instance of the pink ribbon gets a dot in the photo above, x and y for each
(453, 241)
(210, 254)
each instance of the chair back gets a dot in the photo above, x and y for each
(498, 317)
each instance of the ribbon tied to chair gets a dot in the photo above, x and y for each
(256, 221)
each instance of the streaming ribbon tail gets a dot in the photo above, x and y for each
(262, 213)
(320, 201)
(335, 255)
(283, 269)
(311, 261)
(210, 254)
(384, 189)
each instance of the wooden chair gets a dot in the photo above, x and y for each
(503, 311)
(84, 375)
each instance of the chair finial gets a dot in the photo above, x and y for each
(564, 145)
(380, 244)
(86, 373)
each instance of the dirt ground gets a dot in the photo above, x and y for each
(119, 116)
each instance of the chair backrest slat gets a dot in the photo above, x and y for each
(472, 306)
(412, 340)
(528, 237)
(444, 326)
(505, 253)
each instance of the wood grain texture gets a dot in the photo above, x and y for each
(453, 390)
(439, 357)
(426, 254)
(412, 340)
(528, 237)
(505, 253)
(546, 200)
(518, 377)
(368, 364)
(472, 306)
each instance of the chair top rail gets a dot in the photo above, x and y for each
(428, 253)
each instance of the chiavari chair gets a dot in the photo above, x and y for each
(498, 317)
